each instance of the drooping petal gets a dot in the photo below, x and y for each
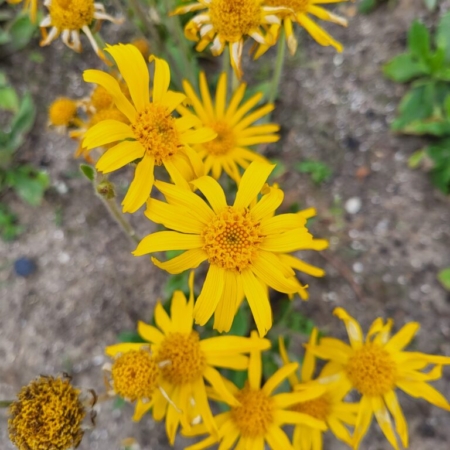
(187, 260)
(353, 328)
(420, 389)
(120, 155)
(210, 295)
(140, 409)
(384, 420)
(400, 422)
(229, 302)
(106, 132)
(363, 420)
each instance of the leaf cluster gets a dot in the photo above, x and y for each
(425, 109)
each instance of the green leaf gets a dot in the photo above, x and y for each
(419, 41)
(29, 184)
(438, 128)
(367, 6)
(443, 36)
(417, 104)
(318, 170)
(178, 282)
(9, 99)
(403, 68)
(416, 158)
(24, 119)
(21, 31)
(88, 171)
(130, 336)
(440, 155)
(444, 278)
(241, 322)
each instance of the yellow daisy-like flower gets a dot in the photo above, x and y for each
(261, 413)
(329, 407)
(233, 125)
(375, 367)
(187, 362)
(68, 18)
(301, 9)
(245, 244)
(29, 5)
(154, 136)
(229, 22)
(48, 414)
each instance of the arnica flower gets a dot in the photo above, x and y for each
(300, 15)
(245, 245)
(375, 367)
(48, 414)
(233, 125)
(261, 413)
(63, 112)
(328, 407)
(68, 17)
(229, 22)
(154, 137)
(187, 362)
(135, 375)
(29, 5)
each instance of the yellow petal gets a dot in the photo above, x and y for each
(161, 79)
(420, 389)
(210, 295)
(141, 186)
(149, 333)
(253, 117)
(216, 381)
(277, 439)
(134, 70)
(163, 241)
(140, 409)
(289, 241)
(384, 420)
(172, 100)
(125, 347)
(309, 360)
(282, 223)
(162, 319)
(176, 175)
(326, 15)
(206, 96)
(400, 422)
(106, 132)
(188, 260)
(320, 35)
(234, 117)
(255, 367)
(252, 182)
(213, 192)
(278, 377)
(181, 313)
(201, 402)
(231, 299)
(198, 136)
(234, 362)
(196, 103)
(293, 380)
(363, 421)
(403, 337)
(339, 430)
(221, 95)
(232, 345)
(236, 99)
(266, 207)
(301, 266)
(120, 155)
(353, 328)
(112, 86)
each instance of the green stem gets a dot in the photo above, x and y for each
(279, 64)
(6, 403)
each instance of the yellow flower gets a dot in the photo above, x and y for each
(328, 407)
(235, 132)
(245, 245)
(229, 21)
(68, 18)
(154, 136)
(187, 362)
(47, 414)
(30, 5)
(301, 9)
(63, 112)
(375, 368)
(261, 414)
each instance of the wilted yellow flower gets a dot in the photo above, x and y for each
(375, 368)
(300, 10)
(245, 244)
(154, 137)
(68, 18)
(233, 125)
(187, 363)
(261, 413)
(63, 112)
(30, 5)
(47, 414)
(329, 406)
(229, 22)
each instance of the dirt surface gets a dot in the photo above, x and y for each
(383, 258)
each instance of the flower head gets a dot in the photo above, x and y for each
(233, 125)
(300, 10)
(375, 367)
(63, 112)
(186, 364)
(229, 22)
(68, 18)
(260, 413)
(328, 407)
(153, 136)
(245, 245)
(47, 414)
(29, 5)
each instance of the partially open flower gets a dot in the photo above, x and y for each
(48, 414)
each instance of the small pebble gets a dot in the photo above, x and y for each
(24, 267)
(353, 205)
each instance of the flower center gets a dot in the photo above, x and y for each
(319, 408)
(71, 14)
(155, 129)
(107, 114)
(183, 361)
(296, 5)
(233, 19)
(231, 239)
(47, 414)
(224, 142)
(101, 98)
(371, 370)
(255, 414)
(135, 375)
(62, 111)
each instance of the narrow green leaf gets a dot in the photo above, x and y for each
(416, 158)
(9, 99)
(367, 6)
(444, 278)
(88, 171)
(443, 36)
(419, 41)
(24, 119)
(21, 31)
(404, 68)
(130, 336)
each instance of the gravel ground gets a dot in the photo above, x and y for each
(387, 225)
